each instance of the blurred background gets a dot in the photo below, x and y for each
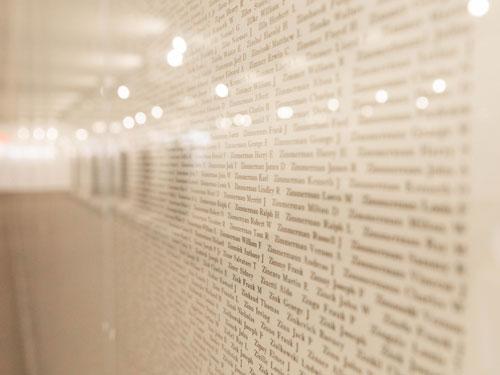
(121, 120)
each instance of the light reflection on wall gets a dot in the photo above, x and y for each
(27, 152)
(34, 165)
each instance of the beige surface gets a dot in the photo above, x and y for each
(358, 234)
(57, 247)
(11, 358)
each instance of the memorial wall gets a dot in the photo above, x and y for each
(300, 187)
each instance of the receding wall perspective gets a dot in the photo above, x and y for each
(304, 187)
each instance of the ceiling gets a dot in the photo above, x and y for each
(61, 60)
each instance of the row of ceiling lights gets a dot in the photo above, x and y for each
(38, 134)
(175, 58)
(221, 90)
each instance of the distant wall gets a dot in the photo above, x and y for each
(31, 168)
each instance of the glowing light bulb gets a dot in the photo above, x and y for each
(381, 96)
(140, 118)
(238, 119)
(478, 8)
(123, 92)
(81, 134)
(174, 58)
(128, 122)
(285, 112)
(179, 44)
(23, 133)
(157, 112)
(221, 90)
(333, 104)
(439, 86)
(39, 134)
(422, 102)
(99, 127)
(52, 134)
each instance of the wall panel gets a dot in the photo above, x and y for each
(334, 213)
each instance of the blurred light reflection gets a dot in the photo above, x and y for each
(123, 92)
(381, 96)
(174, 58)
(23, 133)
(128, 122)
(29, 152)
(221, 90)
(238, 119)
(478, 8)
(223, 123)
(196, 138)
(157, 112)
(39, 134)
(140, 118)
(179, 44)
(285, 112)
(439, 86)
(422, 102)
(333, 104)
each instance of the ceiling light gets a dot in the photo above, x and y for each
(333, 104)
(381, 96)
(179, 44)
(39, 134)
(478, 8)
(422, 102)
(140, 118)
(174, 58)
(157, 112)
(221, 90)
(23, 133)
(123, 92)
(439, 86)
(285, 112)
(128, 122)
